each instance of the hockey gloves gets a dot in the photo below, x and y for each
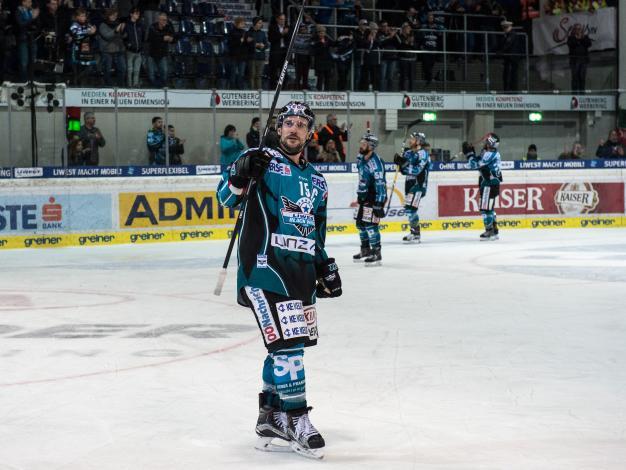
(399, 159)
(378, 210)
(328, 280)
(251, 164)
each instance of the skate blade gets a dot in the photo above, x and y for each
(317, 454)
(265, 444)
(374, 263)
(490, 239)
(411, 242)
(357, 260)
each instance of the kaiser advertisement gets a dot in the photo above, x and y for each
(567, 199)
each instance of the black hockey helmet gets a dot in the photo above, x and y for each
(420, 137)
(492, 141)
(296, 108)
(371, 139)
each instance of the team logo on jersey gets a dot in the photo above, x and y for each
(279, 168)
(299, 214)
(261, 261)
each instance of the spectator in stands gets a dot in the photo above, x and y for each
(160, 36)
(3, 40)
(360, 40)
(324, 63)
(83, 55)
(230, 145)
(135, 32)
(577, 153)
(112, 49)
(370, 72)
(332, 132)
(54, 26)
(253, 137)
(302, 50)
(578, 43)
(407, 59)
(156, 142)
(388, 38)
(176, 146)
(238, 53)
(612, 148)
(26, 19)
(330, 154)
(412, 18)
(257, 43)
(344, 50)
(278, 36)
(92, 139)
(511, 49)
(531, 153)
(76, 153)
(430, 37)
(150, 9)
(313, 151)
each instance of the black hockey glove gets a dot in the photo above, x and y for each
(378, 210)
(251, 164)
(399, 159)
(468, 150)
(328, 280)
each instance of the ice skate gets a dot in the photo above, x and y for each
(489, 235)
(271, 427)
(413, 237)
(364, 253)
(305, 439)
(375, 259)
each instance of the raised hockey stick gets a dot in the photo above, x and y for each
(395, 176)
(279, 86)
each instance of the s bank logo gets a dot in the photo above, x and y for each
(24, 216)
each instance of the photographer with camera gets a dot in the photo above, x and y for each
(26, 18)
(111, 36)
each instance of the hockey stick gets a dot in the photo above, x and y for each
(279, 86)
(395, 176)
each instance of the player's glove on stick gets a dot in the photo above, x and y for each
(399, 159)
(251, 164)
(378, 211)
(328, 280)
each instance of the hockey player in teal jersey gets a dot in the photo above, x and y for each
(283, 267)
(488, 164)
(371, 196)
(415, 164)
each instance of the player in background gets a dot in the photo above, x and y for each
(488, 164)
(283, 267)
(371, 196)
(415, 164)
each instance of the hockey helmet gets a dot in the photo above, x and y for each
(371, 139)
(420, 137)
(492, 141)
(296, 108)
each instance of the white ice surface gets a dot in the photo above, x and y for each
(453, 355)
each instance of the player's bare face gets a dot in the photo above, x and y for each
(364, 147)
(293, 134)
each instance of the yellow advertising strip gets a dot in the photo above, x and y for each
(224, 232)
(172, 209)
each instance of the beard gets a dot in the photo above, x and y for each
(364, 151)
(291, 149)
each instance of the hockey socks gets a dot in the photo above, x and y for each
(288, 377)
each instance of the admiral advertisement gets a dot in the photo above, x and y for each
(172, 209)
(52, 212)
(565, 199)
